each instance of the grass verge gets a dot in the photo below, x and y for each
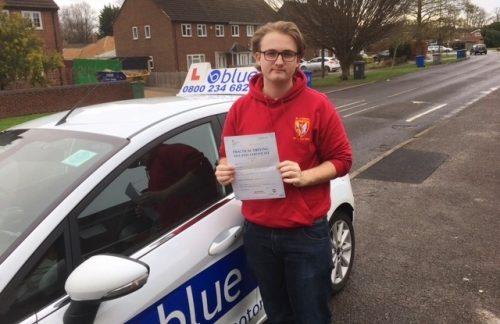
(9, 122)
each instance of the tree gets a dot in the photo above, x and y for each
(345, 26)
(106, 19)
(433, 19)
(21, 56)
(78, 23)
(492, 34)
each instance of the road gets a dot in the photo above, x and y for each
(426, 182)
(382, 115)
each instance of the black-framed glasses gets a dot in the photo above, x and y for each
(272, 55)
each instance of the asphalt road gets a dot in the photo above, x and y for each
(427, 205)
(379, 116)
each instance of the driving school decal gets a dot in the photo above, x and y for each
(208, 296)
(202, 79)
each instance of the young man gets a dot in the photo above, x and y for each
(287, 240)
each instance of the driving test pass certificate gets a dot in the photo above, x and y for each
(255, 158)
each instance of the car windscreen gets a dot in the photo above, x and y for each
(38, 169)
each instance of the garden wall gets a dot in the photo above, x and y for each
(51, 99)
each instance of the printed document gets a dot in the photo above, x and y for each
(255, 158)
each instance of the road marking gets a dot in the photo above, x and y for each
(400, 93)
(353, 107)
(349, 104)
(347, 88)
(409, 120)
(360, 111)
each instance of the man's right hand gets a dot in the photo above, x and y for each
(224, 172)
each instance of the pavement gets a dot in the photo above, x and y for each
(427, 227)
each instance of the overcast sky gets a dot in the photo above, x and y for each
(488, 5)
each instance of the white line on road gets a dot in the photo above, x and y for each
(360, 111)
(350, 104)
(353, 107)
(409, 120)
(400, 93)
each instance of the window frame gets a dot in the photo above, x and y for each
(135, 32)
(188, 56)
(219, 30)
(29, 14)
(235, 30)
(201, 30)
(250, 30)
(147, 31)
(186, 30)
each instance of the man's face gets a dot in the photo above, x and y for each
(279, 70)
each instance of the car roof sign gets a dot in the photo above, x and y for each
(201, 79)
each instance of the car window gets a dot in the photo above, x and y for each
(164, 187)
(38, 169)
(42, 283)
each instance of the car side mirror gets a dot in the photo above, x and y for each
(101, 278)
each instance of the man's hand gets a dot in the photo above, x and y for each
(291, 173)
(224, 172)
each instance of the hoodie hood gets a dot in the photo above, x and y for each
(257, 84)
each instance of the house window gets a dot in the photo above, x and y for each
(201, 29)
(186, 30)
(147, 31)
(195, 58)
(250, 30)
(235, 30)
(219, 30)
(151, 64)
(35, 17)
(135, 32)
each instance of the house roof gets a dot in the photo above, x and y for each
(38, 4)
(219, 11)
(104, 45)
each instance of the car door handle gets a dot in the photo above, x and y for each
(224, 240)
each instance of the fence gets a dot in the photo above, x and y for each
(172, 80)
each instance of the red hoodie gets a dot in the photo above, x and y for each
(308, 131)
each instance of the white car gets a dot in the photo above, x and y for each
(331, 64)
(75, 245)
(439, 49)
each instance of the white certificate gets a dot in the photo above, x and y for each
(255, 158)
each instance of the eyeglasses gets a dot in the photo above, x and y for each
(272, 55)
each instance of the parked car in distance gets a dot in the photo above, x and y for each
(331, 64)
(439, 49)
(478, 49)
(382, 55)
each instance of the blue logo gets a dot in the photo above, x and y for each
(206, 297)
(214, 76)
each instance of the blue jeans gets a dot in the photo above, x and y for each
(292, 268)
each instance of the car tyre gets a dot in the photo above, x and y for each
(343, 244)
(327, 69)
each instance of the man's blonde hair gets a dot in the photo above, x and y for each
(283, 27)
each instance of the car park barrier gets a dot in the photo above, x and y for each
(420, 60)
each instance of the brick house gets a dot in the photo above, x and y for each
(176, 33)
(44, 18)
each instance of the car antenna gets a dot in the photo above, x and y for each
(63, 120)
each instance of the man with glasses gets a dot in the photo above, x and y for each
(287, 239)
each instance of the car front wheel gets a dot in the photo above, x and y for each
(342, 239)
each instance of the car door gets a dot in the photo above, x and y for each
(190, 239)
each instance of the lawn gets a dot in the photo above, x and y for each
(9, 122)
(374, 72)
